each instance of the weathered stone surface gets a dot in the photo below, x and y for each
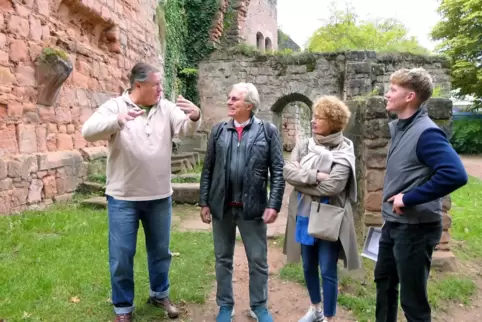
(446, 203)
(376, 143)
(66, 184)
(444, 261)
(35, 191)
(6, 184)
(373, 201)
(374, 180)
(50, 186)
(67, 197)
(20, 167)
(3, 169)
(27, 138)
(375, 159)
(446, 221)
(439, 108)
(94, 153)
(376, 128)
(47, 161)
(375, 108)
(185, 193)
(373, 219)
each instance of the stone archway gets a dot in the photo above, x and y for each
(292, 115)
(260, 42)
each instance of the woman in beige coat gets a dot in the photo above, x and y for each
(322, 169)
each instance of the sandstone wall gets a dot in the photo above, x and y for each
(104, 39)
(284, 79)
(295, 125)
(262, 18)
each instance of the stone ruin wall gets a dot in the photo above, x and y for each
(43, 156)
(304, 77)
(248, 17)
(295, 124)
(262, 20)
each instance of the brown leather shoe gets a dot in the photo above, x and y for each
(123, 317)
(166, 305)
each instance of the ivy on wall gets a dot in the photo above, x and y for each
(187, 26)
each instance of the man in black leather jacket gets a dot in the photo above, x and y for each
(234, 182)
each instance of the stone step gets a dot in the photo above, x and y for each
(187, 177)
(92, 187)
(202, 152)
(96, 202)
(181, 166)
(193, 157)
(185, 193)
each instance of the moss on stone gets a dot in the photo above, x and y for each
(49, 53)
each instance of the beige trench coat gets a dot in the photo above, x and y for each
(334, 187)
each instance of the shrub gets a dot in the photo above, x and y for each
(467, 135)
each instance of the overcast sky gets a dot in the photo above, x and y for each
(300, 18)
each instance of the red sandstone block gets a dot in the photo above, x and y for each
(64, 142)
(18, 50)
(18, 26)
(6, 76)
(35, 29)
(25, 75)
(27, 138)
(8, 140)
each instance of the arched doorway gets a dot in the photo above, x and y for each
(292, 116)
(268, 46)
(260, 41)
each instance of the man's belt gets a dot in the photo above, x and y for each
(235, 204)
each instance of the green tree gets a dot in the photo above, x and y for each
(460, 33)
(346, 31)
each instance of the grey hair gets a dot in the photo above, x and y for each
(140, 73)
(251, 94)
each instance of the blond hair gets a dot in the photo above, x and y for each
(415, 79)
(334, 110)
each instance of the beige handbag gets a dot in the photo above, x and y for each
(325, 221)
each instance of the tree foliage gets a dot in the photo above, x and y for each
(460, 33)
(346, 31)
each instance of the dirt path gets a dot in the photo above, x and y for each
(473, 165)
(287, 301)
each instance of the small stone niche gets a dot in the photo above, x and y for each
(53, 67)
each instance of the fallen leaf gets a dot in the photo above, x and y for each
(26, 315)
(75, 299)
(175, 254)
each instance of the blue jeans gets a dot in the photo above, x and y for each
(124, 217)
(323, 254)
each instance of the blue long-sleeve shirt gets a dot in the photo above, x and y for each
(434, 150)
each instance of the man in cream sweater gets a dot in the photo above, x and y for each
(139, 126)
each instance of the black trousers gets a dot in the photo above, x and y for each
(404, 258)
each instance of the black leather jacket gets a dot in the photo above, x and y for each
(263, 153)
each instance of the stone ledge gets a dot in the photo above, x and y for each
(94, 153)
(185, 193)
(444, 261)
(52, 160)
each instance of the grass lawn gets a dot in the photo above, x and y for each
(467, 220)
(358, 294)
(54, 267)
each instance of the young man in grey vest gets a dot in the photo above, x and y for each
(422, 167)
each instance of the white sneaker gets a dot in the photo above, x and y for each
(312, 316)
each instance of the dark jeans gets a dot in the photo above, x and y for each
(124, 217)
(253, 234)
(404, 257)
(322, 255)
